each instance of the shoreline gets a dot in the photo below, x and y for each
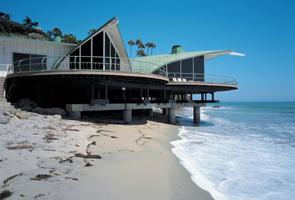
(196, 176)
(42, 158)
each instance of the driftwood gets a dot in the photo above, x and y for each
(10, 178)
(40, 177)
(5, 194)
(88, 156)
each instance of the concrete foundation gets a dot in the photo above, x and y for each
(75, 115)
(168, 109)
(197, 114)
(127, 115)
(171, 115)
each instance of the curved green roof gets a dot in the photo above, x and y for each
(149, 64)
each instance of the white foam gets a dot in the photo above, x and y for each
(197, 177)
(240, 161)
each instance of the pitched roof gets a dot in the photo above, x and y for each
(149, 64)
(112, 29)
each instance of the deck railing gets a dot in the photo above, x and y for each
(201, 77)
(98, 63)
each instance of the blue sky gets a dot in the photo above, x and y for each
(263, 29)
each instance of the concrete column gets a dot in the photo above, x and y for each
(150, 112)
(164, 111)
(75, 115)
(106, 92)
(171, 115)
(127, 115)
(212, 95)
(197, 115)
(98, 93)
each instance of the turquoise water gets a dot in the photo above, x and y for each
(241, 150)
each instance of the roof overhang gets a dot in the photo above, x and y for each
(165, 59)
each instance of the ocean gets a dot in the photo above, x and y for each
(240, 150)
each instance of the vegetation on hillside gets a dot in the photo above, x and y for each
(31, 29)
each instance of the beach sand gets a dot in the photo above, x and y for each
(46, 157)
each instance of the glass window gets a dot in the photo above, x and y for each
(29, 62)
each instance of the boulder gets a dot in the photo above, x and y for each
(50, 111)
(4, 117)
(26, 104)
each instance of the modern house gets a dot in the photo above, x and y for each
(98, 75)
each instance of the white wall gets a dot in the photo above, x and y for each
(10, 45)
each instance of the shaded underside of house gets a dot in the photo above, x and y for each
(60, 88)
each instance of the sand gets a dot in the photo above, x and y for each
(41, 158)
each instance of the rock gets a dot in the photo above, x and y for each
(19, 115)
(50, 111)
(4, 117)
(88, 165)
(63, 160)
(40, 177)
(72, 178)
(5, 194)
(49, 137)
(26, 104)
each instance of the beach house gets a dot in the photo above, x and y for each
(97, 75)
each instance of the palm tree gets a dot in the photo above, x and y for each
(148, 45)
(141, 46)
(140, 53)
(140, 50)
(153, 45)
(56, 32)
(138, 41)
(131, 43)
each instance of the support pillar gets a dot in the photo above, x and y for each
(197, 115)
(150, 112)
(91, 92)
(127, 115)
(75, 115)
(171, 115)
(106, 92)
(165, 111)
(212, 95)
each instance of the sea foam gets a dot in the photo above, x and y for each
(240, 154)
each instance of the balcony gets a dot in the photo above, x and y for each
(113, 64)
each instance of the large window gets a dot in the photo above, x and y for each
(28, 62)
(192, 68)
(98, 52)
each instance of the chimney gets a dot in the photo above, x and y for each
(176, 49)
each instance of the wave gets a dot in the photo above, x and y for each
(240, 155)
(197, 177)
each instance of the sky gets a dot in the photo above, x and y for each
(262, 29)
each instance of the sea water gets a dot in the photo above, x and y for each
(241, 150)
